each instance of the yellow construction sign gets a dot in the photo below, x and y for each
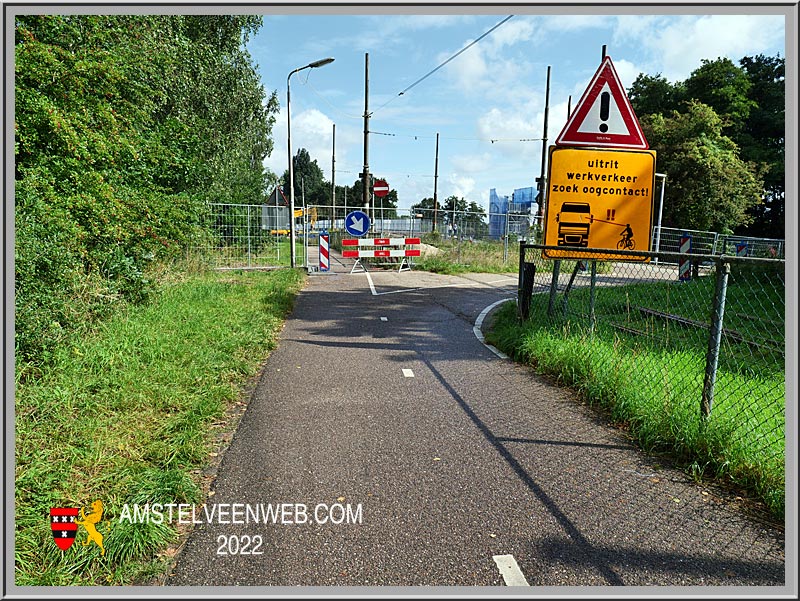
(599, 199)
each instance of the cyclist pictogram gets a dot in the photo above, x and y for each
(626, 239)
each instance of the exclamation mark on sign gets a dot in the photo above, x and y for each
(611, 214)
(605, 100)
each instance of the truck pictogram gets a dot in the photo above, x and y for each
(573, 221)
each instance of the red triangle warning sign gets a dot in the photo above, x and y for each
(604, 116)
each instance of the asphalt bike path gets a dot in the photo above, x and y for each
(405, 452)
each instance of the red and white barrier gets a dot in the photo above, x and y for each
(359, 252)
(381, 242)
(381, 252)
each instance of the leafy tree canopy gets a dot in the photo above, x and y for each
(710, 186)
(748, 103)
(125, 127)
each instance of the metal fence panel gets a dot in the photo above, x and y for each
(666, 239)
(234, 236)
(253, 236)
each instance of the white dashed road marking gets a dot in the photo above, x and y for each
(510, 571)
(408, 373)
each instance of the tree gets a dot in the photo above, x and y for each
(654, 95)
(454, 204)
(474, 219)
(309, 181)
(125, 126)
(749, 100)
(425, 207)
(710, 186)
(763, 140)
(724, 87)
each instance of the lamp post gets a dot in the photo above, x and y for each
(313, 65)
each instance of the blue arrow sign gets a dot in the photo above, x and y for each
(357, 223)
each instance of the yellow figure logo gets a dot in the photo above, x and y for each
(90, 522)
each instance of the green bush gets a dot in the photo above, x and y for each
(115, 155)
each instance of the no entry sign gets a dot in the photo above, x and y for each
(380, 187)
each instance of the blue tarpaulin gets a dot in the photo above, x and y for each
(521, 203)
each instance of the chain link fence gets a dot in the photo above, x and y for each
(700, 353)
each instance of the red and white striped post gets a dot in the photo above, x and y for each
(324, 251)
(685, 265)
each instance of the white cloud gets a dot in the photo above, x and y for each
(678, 46)
(278, 162)
(459, 185)
(574, 23)
(508, 128)
(469, 70)
(633, 29)
(627, 72)
(312, 130)
(471, 163)
(512, 32)
(487, 67)
(397, 23)
(482, 72)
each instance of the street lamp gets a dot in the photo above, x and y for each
(313, 65)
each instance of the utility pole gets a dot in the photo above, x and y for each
(365, 174)
(542, 180)
(435, 183)
(333, 179)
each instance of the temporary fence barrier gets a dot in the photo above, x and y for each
(232, 236)
(367, 249)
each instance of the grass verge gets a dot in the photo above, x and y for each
(481, 256)
(127, 413)
(454, 257)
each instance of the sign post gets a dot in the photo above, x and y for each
(600, 177)
(685, 265)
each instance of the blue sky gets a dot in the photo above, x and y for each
(486, 104)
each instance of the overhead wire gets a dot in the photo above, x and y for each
(424, 77)
(429, 137)
(319, 95)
